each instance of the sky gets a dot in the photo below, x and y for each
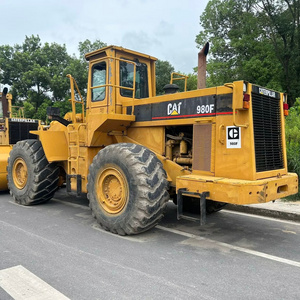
(165, 29)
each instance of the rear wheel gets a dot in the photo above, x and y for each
(127, 188)
(31, 179)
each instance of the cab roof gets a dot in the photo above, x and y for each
(102, 51)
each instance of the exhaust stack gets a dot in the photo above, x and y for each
(201, 82)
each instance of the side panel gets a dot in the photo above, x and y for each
(234, 156)
(150, 137)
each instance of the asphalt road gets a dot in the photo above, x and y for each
(234, 256)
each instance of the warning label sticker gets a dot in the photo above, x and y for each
(233, 137)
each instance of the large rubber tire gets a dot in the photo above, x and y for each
(31, 178)
(127, 188)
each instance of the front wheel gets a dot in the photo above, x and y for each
(31, 178)
(127, 188)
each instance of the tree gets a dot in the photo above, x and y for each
(283, 29)
(79, 67)
(34, 71)
(254, 40)
(37, 72)
(163, 75)
(79, 70)
(88, 46)
(292, 132)
(191, 83)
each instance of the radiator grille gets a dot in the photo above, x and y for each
(267, 133)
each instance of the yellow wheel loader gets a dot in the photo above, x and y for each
(14, 127)
(131, 151)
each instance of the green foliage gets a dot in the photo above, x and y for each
(163, 71)
(37, 73)
(292, 131)
(253, 40)
(79, 70)
(88, 46)
(191, 83)
(283, 29)
(163, 75)
(64, 106)
(34, 70)
(41, 112)
(29, 110)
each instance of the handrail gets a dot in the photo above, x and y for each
(19, 112)
(181, 77)
(73, 101)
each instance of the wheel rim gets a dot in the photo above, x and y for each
(112, 190)
(19, 172)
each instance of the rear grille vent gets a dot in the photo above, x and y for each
(19, 131)
(267, 133)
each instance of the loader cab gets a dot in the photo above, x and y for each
(117, 75)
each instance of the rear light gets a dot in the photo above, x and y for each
(246, 101)
(285, 109)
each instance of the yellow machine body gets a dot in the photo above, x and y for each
(227, 140)
(5, 147)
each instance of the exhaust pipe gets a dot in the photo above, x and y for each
(4, 102)
(201, 82)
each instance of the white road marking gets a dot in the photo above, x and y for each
(260, 217)
(21, 284)
(289, 231)
(232, 247)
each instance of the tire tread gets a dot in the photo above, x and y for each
(44, 178)
(151, 183)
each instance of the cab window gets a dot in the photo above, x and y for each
(141, 78)
(98, 79)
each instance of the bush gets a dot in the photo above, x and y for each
(292, 131)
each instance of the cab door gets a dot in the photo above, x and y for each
(98, 88)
